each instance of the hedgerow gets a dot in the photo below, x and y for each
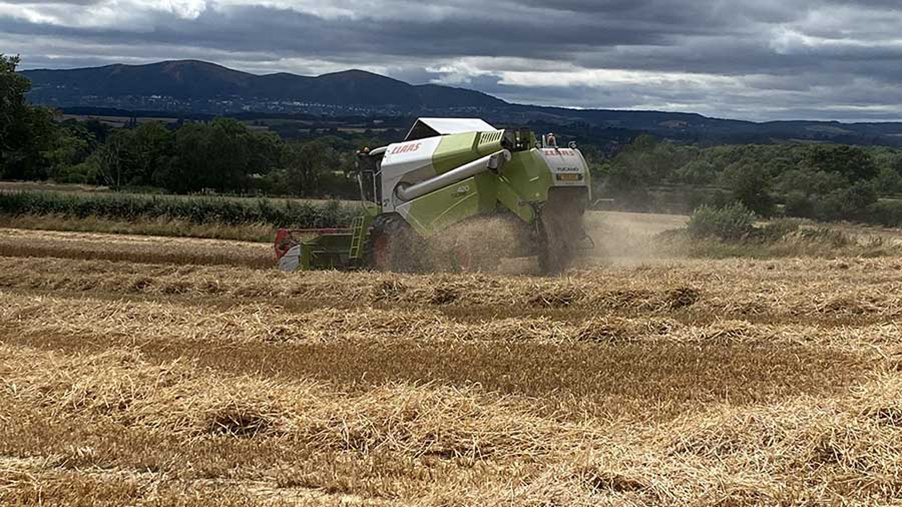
(196, 210)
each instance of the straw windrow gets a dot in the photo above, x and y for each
(138, 380)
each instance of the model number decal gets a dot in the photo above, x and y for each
(568, 169)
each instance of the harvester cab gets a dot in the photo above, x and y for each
(446, 171)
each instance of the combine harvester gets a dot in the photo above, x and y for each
(447, 171)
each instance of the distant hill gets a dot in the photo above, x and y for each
(196, 87)
(210, 86)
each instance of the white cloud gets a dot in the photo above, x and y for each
(600, 78)
(125, 14)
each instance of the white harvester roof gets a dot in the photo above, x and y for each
(431, 127)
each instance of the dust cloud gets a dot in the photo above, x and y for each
(628, 238)
(504, 245)
(486, 244)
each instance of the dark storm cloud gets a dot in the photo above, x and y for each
(285, 31)
(752, 59)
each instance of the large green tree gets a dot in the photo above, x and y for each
(113, 159)
(749, 185)
(13, 88)
(853, 163)
(27, 133)
(73, 145)
(306, 165)
(223, 155)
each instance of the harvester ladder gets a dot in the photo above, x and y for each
(357, 227)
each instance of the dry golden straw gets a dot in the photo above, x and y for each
(128, 377)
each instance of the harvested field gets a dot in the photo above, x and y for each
(136, 249)
(175, 228)
(131, 374)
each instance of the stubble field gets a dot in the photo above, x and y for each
(144, 371)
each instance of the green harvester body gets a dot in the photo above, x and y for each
(445, 172)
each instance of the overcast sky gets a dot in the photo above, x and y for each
(748, 59)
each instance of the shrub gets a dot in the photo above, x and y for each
(750, 185)
(779, 229)
(798, 204)
(730, 222)
(86, 172)
(886, 213)
(825, 235)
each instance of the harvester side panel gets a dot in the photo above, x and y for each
(438, 210)
(412, 162)
(510, 199)
(528, 176)
(521, 181)
(407, 162)
(455, 151)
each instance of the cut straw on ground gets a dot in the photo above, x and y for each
(140, 380)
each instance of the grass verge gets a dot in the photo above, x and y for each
(164, 227)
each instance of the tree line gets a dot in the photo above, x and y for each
(819, 181)
(223, 155)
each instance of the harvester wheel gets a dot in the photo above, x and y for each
(392, 245)
(560, 229)
(554, 253)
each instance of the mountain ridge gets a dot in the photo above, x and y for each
(204, 81)
(196, 86)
